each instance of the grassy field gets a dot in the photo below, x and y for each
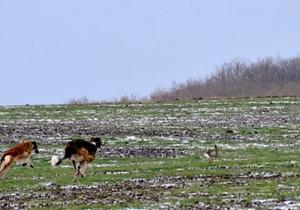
(153, 155)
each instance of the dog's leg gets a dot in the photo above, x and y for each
(29, 162)
(76, 174)
(6, 164)
(83, 166)
(75, 178)
(74, 164)
(76, 171)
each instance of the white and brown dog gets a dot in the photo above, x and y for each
(20, 153)
(80, 152)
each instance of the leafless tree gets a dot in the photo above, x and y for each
(264, 77)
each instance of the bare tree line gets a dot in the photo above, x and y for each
(240, 78)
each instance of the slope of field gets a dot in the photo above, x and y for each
(153, 155)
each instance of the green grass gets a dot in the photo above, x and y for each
(115, 169)
(220, 177)
(260, 160)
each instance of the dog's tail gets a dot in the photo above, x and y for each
(55, 161)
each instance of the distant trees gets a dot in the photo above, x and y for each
(79, 101)
(240, 78)
(124, 99)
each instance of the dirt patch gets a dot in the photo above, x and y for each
(140, 152)
(148, 191)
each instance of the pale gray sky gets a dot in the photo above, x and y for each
(55, 50)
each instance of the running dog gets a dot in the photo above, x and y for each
(20, 153)
(80, 152)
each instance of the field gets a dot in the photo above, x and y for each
(153, 155)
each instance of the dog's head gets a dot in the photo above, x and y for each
(35, 148)
(97, 141)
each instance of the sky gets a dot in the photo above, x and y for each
(52, 51)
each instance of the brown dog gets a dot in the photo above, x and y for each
(20, 153)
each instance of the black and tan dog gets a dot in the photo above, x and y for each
(20, 153)
(80, 152)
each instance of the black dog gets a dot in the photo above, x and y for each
(80, 152)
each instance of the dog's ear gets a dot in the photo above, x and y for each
(35, 148)
(97, 141)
